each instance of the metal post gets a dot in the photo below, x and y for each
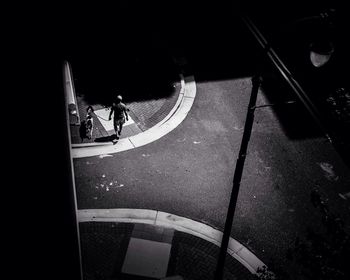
(76, 254)
(256, 81)
(70, 94)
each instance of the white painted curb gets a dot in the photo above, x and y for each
(170, 122)
(235, 249)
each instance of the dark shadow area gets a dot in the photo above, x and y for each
(296, 121)
(327, 87)
(220, 46)
(135, 76)
(132, 52)
(123, 276)
(120, 50)
(109, 138)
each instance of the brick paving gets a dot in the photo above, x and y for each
(148, 113)
(104, 246)
(196, 258)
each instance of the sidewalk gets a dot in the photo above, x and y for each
(159, 121)
(142, 116)
(137, 249)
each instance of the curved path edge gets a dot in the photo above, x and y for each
(170, 122)
(146, 216)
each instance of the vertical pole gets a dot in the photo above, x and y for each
(71, 189)
(70, 95)
(256, 81)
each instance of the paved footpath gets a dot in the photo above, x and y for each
(142, 116)
(163, 117)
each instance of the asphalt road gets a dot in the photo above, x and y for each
(189, 172)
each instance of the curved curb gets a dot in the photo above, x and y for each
(208, 233)
(170, 122)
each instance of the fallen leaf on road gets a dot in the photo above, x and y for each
(345, 196)
(329, 172)
(196, 142)
(103, 175)
(111, 183)
(237, 128)
(146, 155)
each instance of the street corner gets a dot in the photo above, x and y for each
(167, 117)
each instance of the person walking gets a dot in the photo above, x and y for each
(120, 114)
(87, 125)
(89, 122)
(82, 130)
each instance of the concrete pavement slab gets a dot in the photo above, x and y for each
(103, 115)
(146, 258)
